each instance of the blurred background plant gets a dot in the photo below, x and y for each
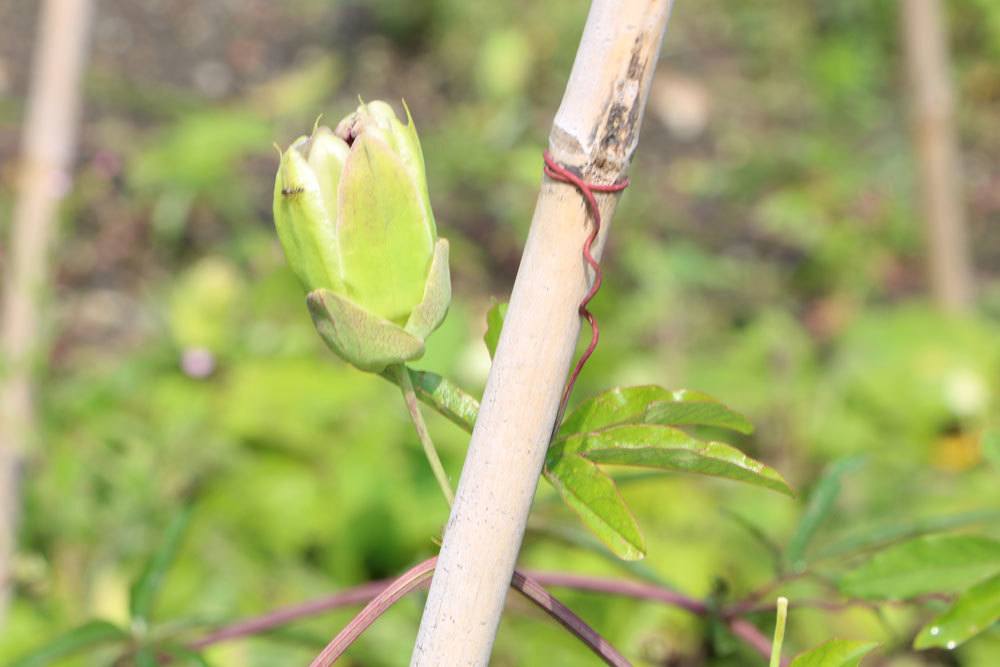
(769, 251)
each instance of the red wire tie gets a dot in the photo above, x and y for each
(557, 172)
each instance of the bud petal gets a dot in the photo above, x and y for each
(327, 157)
(386, 240)
(430, 312)
(304, 226)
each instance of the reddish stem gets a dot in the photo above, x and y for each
(252, 626)
(527, 582)
(533, 590)
(410, 580)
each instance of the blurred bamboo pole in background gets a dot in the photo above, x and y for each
(933, 111)
(47, 150)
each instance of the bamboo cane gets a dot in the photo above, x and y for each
(595, 131)
(47, 152)
(933, 112)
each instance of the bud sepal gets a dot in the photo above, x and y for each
(371, 342)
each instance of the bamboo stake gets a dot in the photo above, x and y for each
(595, 131)
(47, 151)
(933, 110)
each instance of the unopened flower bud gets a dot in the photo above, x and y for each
(354, 218)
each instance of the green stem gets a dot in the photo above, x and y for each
(779, 632)
(413, 407)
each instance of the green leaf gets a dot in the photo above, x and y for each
(975, 610)
(182, 656)
(695, 408)
(835, 653)
(580, 538)
(665, 448)
(757, 533)
(494, 323)
(142, 595)
(653, 405)
(867, 537)
(821, 502)
(931, 564)
(146, 657)
(614, 406)
(595, 498)
(87, 636)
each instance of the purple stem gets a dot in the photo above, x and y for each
(533, 590)
(739, 627)
(251, 626)
(632, 589)
(528, 583)
(410, 580)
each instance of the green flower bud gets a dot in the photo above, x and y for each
(353, 215)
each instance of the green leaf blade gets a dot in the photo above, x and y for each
(142, 595)
(821, 502)
(87, 636)
(974, 611)
(652, 404)
(694, 408)
(614, 406)
(835, 653)
(494, 324)
(665, 448)
(596, 500)
(931, 564)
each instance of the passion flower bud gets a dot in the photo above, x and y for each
(354, 218)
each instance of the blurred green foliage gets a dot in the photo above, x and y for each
(768, 252)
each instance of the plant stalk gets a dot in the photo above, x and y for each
(402, 374)
(779, 632)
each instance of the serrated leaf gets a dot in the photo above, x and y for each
(975, 610)
(665, 448)
(821, 502)
(494, 323)
(143, 592)
(835, 653)
(931, 564)
(654, 405)
(87, 636)
(594, 497)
